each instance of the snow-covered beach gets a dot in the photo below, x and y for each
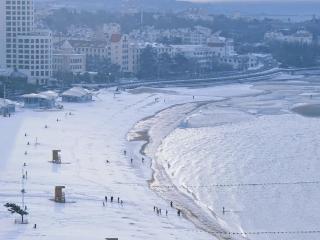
(194, 145)
(93, 133)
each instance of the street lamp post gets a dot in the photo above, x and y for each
(23, 191)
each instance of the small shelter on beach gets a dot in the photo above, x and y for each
(6, 107)
(59, 195)
(77, 94)
(40, 100)
(56, 156)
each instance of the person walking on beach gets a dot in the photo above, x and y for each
(111, 199)
(118, 200)
(125, 152)
(142, 159)
(223, 210)
(103, 203)
(131, 160)
(171, 204)
(179, 212)
(106, 198)
(166, 212)
(154, 208)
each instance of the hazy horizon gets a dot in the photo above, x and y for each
(255, 1)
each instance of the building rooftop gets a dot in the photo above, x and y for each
(90, 44)
(76, 92)
(115, 38)
(48, 95)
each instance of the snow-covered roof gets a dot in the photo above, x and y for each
(5, 102)
(51, 94)
(35, 95)
(76, 92)
(48, 95)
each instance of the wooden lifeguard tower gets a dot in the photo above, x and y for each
(59, 195)
(56, 156)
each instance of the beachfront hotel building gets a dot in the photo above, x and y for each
(21, 45)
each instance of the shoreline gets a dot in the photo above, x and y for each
(202, 217)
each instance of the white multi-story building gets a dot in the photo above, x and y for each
(201, 54)
(190, 36)
(240, 62)
(34, 54)
(25, 47)
(66, 60)
(120, 51)
(19, 17)
(300, 37)
(221, 46)
(116, 50)
(2, 35)
(99, 49)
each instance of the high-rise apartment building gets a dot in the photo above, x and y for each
(2, 35)
(26, 48)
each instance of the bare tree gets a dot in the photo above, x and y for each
(14, 208)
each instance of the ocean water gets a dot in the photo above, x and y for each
(252, 161)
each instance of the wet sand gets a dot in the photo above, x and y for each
(308, 110)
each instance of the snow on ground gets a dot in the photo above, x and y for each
(93, 133)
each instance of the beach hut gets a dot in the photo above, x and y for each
(59, 195)
(56, 156)
(77, 94)
(40, 100)
(7, 107)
